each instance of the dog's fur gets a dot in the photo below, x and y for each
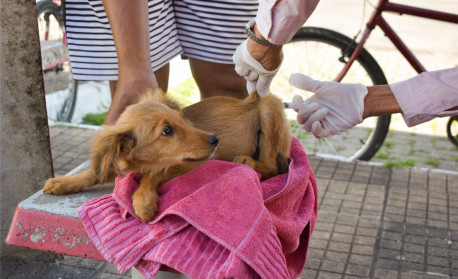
(156, 138)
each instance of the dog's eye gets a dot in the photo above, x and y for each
(168, 131)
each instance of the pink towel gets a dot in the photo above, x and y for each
(217, 221)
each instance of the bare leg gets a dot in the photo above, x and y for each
(215, 79)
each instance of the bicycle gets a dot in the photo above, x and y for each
(61, 90)
(343, 59)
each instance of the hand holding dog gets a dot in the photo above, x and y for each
(334, 108)
(258, 65)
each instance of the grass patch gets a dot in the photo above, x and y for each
(382, 155)
(185, 93)
(433, 162)
(395, 163)
(389, 144)
(94, 118)
(453, 157)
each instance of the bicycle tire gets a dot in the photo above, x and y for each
(68, 108)
(64, 104)
(453, 121)
(49, 7)
(337, 42)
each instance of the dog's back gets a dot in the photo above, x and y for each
(256, 127)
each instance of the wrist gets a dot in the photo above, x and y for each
(269, 57)
(380, 101)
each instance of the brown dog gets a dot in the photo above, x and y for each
(156, 138)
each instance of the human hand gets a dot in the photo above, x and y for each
(259, 74)
(334, 108)
(130, 86)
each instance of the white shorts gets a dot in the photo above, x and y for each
(203, 29)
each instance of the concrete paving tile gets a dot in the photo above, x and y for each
(331, 266)
(415, 229)
(414, 248)
(357, 270)
(381, 273)
(329, 275)
(315, 254)
(391, 244)
(364, 240)
(438, 271)
(438, 242)
(313, 263)
(413, 258)
(390, 254)
(387, 264)
(347, 220)
(344, 229)
(438, 261)
(350, 211)
(415, 220)
(339, 247)
(319, 244)
(342, 237)
(361, 260)
(362, 249)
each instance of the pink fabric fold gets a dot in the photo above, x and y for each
(217, 221)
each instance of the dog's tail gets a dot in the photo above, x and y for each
(275, 136)
(253, 98)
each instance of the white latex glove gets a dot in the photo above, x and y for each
(334, 108)
(257, 77)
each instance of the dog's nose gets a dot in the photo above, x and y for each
(213, 140)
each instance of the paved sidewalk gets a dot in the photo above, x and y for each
(373, 222)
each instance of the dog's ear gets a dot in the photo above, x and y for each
(110, 152)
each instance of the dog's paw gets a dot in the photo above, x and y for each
(59, 186)
(145, 205)
(246, 160)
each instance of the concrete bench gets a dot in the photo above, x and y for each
(50, 223)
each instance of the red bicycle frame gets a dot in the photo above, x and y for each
(377, 20)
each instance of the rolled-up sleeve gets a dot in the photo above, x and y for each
(428, 95)
(278, 23)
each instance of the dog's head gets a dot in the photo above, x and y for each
(150, 136)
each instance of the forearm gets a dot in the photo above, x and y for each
(130, 26)
(380, 101)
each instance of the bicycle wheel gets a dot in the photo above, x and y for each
(452, 129)
(321, 54)
(60, 87)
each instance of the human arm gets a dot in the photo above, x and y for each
(276, 22)
(130, 27)
(428, 95)
(338, 107)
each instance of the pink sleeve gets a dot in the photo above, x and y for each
(278, 23)
(427, 95)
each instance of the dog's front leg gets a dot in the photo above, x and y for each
(70, 184)
(146, 197)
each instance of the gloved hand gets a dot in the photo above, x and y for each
(256, 75)
(334, 108)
